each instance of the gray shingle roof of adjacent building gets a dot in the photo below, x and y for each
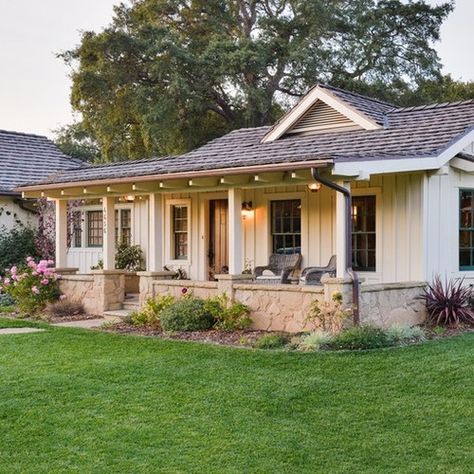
(406, 133)
(26, 157)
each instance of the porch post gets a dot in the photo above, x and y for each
(108, 210)
(235, 232)
(155, 243)
(61, 233)
(341, 229)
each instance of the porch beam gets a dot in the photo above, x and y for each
(108, 216)
(235, 231)
(155, 244)
(61, 233)
(203, 182)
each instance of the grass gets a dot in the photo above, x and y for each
(78, 401)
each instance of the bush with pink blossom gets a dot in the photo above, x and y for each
(31, 285)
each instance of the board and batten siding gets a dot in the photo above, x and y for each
(399, 226)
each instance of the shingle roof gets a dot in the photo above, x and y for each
(26, 157)
(407, 133)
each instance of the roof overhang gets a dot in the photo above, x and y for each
(244, 177)
(13, 194)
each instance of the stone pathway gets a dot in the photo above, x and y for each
(83, 324)
(19, 330)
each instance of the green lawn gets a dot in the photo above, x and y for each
(78, 401)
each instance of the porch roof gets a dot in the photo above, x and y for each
(403, 133)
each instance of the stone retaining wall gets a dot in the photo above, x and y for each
(80, 288)
(384, 305)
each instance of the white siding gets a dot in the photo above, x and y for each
(10, 212)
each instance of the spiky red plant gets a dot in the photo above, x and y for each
(448, 303)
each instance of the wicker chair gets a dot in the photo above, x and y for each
(282, 266)
(313, 275)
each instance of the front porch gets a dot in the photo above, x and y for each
(216, 231)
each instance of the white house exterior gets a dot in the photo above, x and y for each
(230, 204)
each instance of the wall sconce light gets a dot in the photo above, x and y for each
(314, 187)
(247, 209)
(129, 198)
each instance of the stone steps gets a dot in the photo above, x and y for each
(129, 305)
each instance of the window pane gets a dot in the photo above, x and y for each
(180, 232)
(466, 230)
(286, 226)
(94, 229)
(363, 233)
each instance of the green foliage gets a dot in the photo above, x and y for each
(228, 316)
(129, 257)
(314, 341)
(150, 314)
(74, 141)
(64, 308)
(272, 341)
(404, 334)
(32, 286)
(15, 245)
(328, 315)
(165, 77)
(361, 337)
(186, 314)
(6, 300)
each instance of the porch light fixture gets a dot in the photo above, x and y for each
(247, 209)
(314, 187)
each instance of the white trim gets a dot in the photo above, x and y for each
(169, 257)
(307, 102)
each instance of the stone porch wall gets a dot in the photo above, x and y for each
(384, 305)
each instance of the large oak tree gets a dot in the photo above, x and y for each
(168, 75)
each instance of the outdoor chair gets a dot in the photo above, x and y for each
(279, 269)
(313, 275)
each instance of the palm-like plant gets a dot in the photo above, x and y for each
(448, 303)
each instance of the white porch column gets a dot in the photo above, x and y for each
(61, 233)
(235, 232)
(155, 242)
(108, 248)
(341, 224)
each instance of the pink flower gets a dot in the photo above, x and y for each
(32, 264)
(13, 270)
(35, 290)
(29, 259)
(35, 273)
(6, 281)
(44, 281)
(184, 291)
(62, 297)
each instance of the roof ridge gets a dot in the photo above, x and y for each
(24, 134)
(366, 97)
(434, 105)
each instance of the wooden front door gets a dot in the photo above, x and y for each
(218, 237)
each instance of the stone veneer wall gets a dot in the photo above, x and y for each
(202, 289)
(278, 307)
(384, 305)
(80, 288)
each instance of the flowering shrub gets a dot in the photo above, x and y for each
(31, 285)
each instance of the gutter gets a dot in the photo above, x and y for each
(348, 238)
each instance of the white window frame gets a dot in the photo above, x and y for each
(169, 237)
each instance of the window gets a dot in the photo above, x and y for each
(466, 229)
(286, 226)
(363, 233)
(77, 229)
(94, 229)
(123, 226)
(180, 231)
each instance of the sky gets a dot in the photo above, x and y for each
(34, 83)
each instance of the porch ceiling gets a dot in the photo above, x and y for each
(252, 177)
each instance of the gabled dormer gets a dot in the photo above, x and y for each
(326, 109)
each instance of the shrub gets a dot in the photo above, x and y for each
(64, 308)
(229, 316)
(271, 341)
(404, 334)
(15, 245)
(448, 304)
(32, 286)
(129, 257)
(328, 315)
(6, 300)
(360, 337)
(314, 341)
(150, 314)
(187, 314)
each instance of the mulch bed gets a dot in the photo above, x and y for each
(243, 338)
(51, 319)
